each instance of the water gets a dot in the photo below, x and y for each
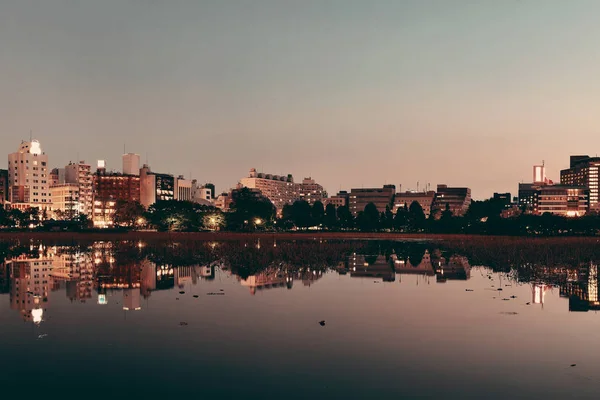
(420, 320)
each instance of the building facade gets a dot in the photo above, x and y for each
(65, 201)
(563, 200)
(3, 186)
(131, 164)
(108, 189)
(583, 172)
(155, 187)
(80, 174)
(425, 200)
(458, 199)
(381, 197)
(183, 189)
(310, 191)
(28, 177)
(280, 190)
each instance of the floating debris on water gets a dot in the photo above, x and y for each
(322, 323)
(215, 294)
(195, 296)
(509, 313)
(183, 324)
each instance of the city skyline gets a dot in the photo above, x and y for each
(351, 93)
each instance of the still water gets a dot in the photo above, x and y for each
(299, 320)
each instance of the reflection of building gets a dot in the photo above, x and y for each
(76, 270)
(371, 266)
(30, 286)
(381, 197)
(4, 278)
(583, 294)
(453, 268)
(268, 279)
(131, 299)
(147, 278)
(155, 187)
(538, 292)
(403, 265)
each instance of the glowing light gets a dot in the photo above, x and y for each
(102, 299)
(258, 221)
(36, 314)
(35, 148)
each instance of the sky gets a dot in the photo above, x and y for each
(354, 93)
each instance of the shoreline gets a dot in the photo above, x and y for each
(233, 236)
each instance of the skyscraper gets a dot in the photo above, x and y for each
(80, 174)
(131, 164)
(28, 177)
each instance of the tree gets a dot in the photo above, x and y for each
(302, 214)
(369, 218)
(330, 220)
(401, 218)
(250, 210)
(318, 213)
(416, 216)
(127, 213)
(345, 217)
(175, 215)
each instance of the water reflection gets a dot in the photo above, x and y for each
(133, 271)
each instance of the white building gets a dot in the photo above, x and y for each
(28, 177)
(65, 200)
(183, 189)
(131, 164)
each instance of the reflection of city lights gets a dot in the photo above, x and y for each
(37, 313)
(102, 299)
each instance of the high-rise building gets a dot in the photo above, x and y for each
(3, 186)
(80, 174)
(108, 189)
(458, 199)
(155, 187)
(583, 171)
(131, 164)
(183, 189)
(28, 177)
(425, 200)
(381, 197)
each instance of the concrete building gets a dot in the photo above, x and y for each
(155, 187)
(28, 177)
(310, 191)
(131, 164)
(425, 200)
(563, 200)
(201, 194)
(183, 189)
(583, 172)
(57, 176)
(108, 189)
(65, 201)
(457, 198)
(80, 174)
(3, 186)
(381, 197)
(279, 189)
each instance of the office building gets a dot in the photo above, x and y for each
(28, 177)
(80, 174)
(381, 197)
(3, 186)
(583, 172)
(425, 200)
(108, 189)
(339, 200)
(131, 164)
(458, 199)
(65, 201)
(155, 187)
(563, 200)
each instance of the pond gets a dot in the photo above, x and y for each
(298, 319)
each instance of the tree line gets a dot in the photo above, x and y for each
(250, 212)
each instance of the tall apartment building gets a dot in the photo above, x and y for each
(108, 189)
(155, 187)
(425, 200)
(3, 186)
(80, 174)
(381, 197)
(564, 200)
(131, 164)
(583, 172)
(28, 177)
(281, 190)
(310, 191)
(457, 198)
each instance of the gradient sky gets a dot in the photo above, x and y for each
(355, 93)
